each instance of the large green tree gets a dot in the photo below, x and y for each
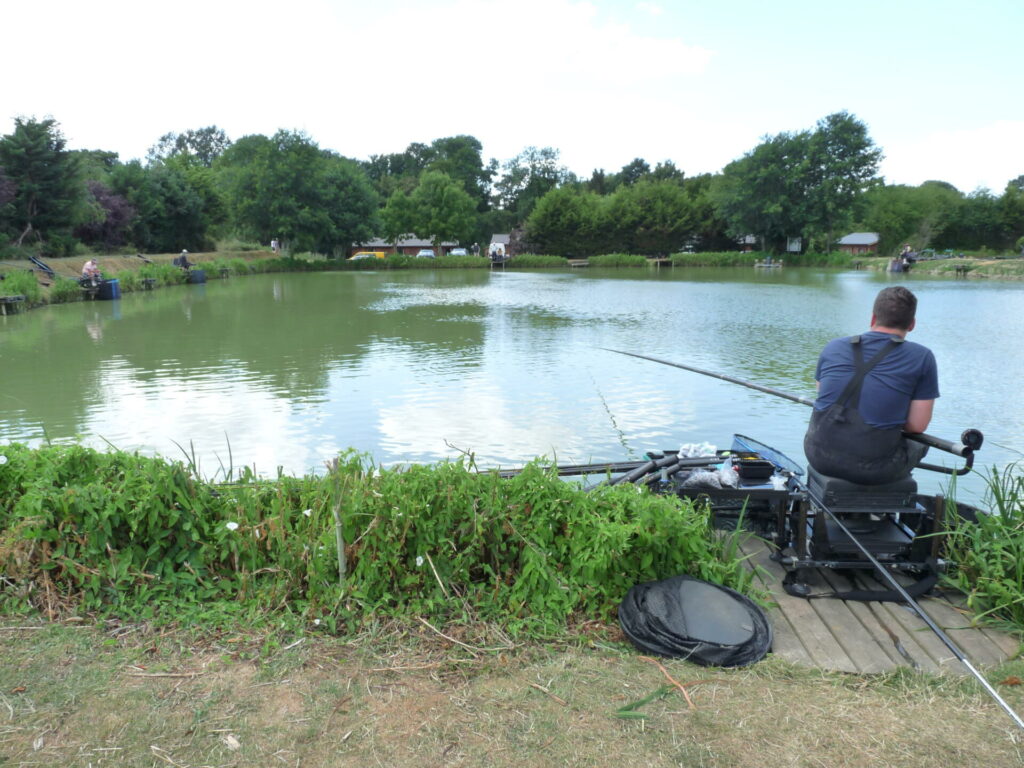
(287, 187)
(904, 214)
(526, 178)
(841, 164)
(651, 217)
(568, 221)
(170, 213)
(47, 191)
(461, 158)
(442, 209)
(1011, 211)
(763, 193)
(200, 146)
(800, 184)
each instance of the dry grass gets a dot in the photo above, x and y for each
(86, 697)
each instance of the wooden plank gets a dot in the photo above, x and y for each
(816, 638)
(913, 629)
(876, 633)
(976, 645)
(846, 628)
(1007, 643)
(785, 641)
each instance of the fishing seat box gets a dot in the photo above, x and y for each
(844, 497)
(868, 511)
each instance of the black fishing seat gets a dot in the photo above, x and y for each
(844, 497)
(872, 512)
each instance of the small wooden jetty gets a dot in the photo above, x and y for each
(148, 283)
(10, 301)
(870, 637)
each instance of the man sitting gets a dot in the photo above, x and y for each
(183, 262)
(871, 389)
(91, 272)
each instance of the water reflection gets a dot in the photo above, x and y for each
(417, 366)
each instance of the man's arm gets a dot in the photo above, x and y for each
(919, 416)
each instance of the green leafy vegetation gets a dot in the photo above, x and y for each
(989, 552)
(21, 282)
(535, 261)
(618, 260)
(199, 188)
(121, 534)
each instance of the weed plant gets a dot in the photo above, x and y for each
(21, 282)
(63, 290)
(121, 534)
(129, 281)
(989, 551)
(164, 274)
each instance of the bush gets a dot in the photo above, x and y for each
(58, 246)
(21, 282)
(164, 274)
(64, 290)
(129, 281)
(989, 552)
(121, 534)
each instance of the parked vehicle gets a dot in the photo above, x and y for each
(458, 252)
(425, 253)
(367, 255)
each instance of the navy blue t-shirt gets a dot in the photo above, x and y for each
(906, 373)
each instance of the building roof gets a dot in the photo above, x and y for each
(860, 238)
(408, 241)
(503, 239)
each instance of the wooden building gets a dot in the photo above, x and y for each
(857, 243)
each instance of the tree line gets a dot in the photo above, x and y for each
(197, 187)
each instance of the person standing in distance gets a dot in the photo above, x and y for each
(871, 389)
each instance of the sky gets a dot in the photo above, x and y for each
(699, 82)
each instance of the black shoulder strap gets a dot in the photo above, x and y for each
(862, 369)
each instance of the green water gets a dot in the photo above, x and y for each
(285, 370)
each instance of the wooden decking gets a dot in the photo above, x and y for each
(851, 636)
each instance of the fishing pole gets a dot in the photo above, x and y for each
(960, 655)
(970, 441)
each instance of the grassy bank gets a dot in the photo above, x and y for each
(421, 614)
(125, 695)
(980, 267)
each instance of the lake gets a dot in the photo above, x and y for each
(283, 371)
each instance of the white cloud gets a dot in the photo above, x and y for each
(987, 156)
(544, 72)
